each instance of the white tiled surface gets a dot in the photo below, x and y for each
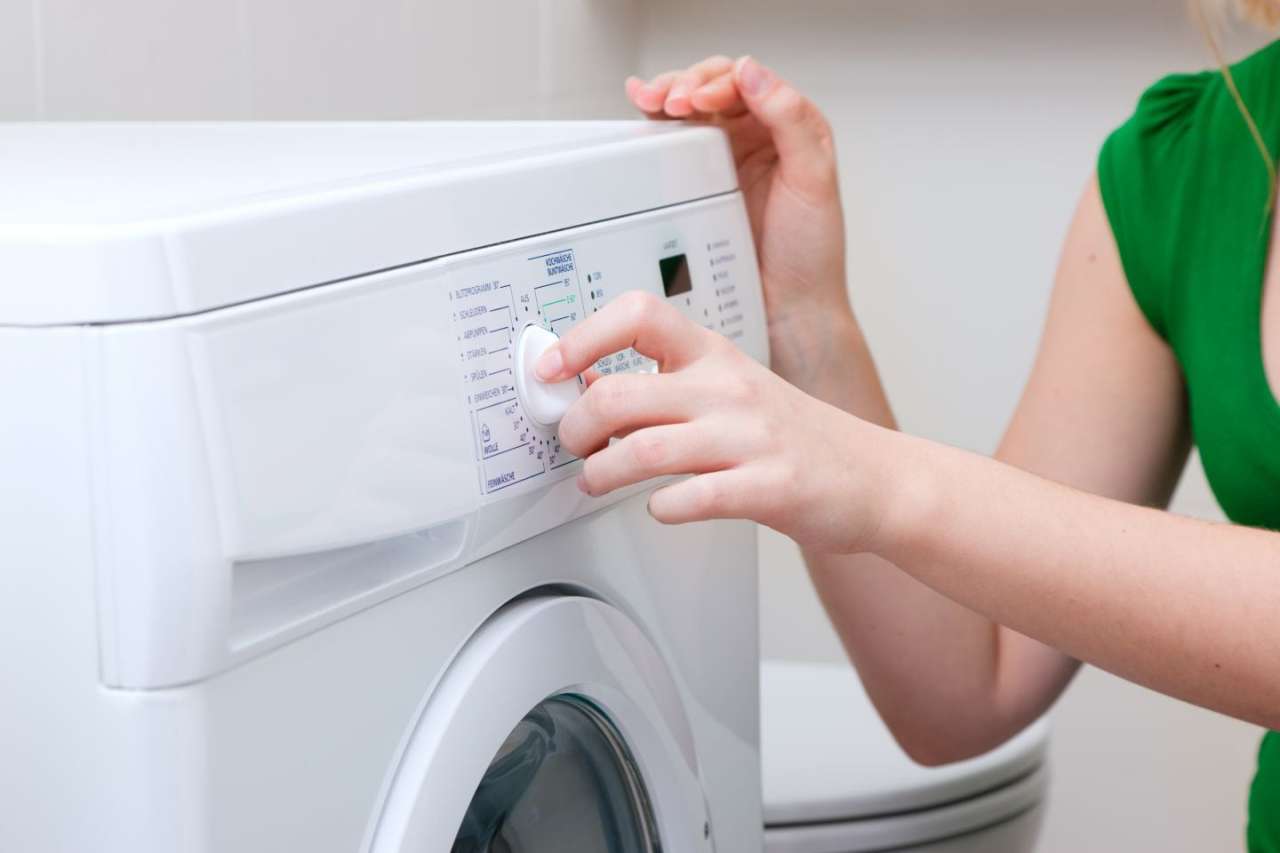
(307, 58)
(483, 54)
(315, 59)
(139, 58)
(588, 46)
(19, 86)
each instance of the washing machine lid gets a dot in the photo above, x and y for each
(118, 222)
(827, 755)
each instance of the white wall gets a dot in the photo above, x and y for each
(314, 59)
(965, 132)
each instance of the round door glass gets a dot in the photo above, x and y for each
(562, 780)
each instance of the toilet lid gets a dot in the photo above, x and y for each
(827, 756)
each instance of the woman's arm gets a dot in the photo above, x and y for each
(1180, 605)
(1185, 607)
(1103, 411)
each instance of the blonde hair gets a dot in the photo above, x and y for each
(1264, 13)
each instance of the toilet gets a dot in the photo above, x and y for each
(836, 782)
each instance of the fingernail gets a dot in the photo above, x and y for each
(582, 484)
(753, 77)
(550, 364)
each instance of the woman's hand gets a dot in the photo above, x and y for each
(786, 163)
(759, 448)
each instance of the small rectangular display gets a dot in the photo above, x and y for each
(675, 275)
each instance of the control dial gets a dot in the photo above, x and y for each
(543, 402)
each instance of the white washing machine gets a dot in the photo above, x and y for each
(836, 782)
(286, 565)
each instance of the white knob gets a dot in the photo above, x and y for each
(544, 402)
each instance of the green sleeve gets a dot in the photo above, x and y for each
(1140, 171)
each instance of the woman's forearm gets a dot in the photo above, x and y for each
(931, 666)
(1178, 605)
(825, 354)
(1185, 607)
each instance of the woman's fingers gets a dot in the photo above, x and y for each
(619, 404)
(644, 101)
(679, 97)
(670, 94)
(650, 96)
(633, 87)
(719, 95)
(781, 116)
(718, 494)
(635, 319)
(799, 131)
(680, 448)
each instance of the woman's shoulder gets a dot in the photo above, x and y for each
(1258, 75)
(1187, 124)
(1178, 105)
(1185, 150)
(1170, 102)
(1196, 104)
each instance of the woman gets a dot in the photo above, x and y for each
(967, 590)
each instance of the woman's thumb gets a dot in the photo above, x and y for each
(800, 132)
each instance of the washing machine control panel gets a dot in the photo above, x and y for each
(332, 447)
(699, 258)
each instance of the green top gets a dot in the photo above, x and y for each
(1185, 189)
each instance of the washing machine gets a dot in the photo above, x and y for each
(287, 563)
(836, 782)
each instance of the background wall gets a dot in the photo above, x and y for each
(965, 130)
(314, 59)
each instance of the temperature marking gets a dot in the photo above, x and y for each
(499, 403)
(508, 450)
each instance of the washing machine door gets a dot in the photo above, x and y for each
(558, 727)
